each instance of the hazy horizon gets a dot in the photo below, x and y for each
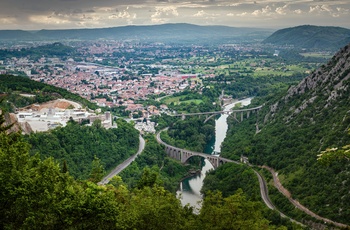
(79, 14)
(267, 28)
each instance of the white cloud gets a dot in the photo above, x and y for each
(266, 11)
(200, 13)
(105, 9)
(326, 9)
(298, 11)
(49, 19)
(342, 11)
(242, 14)
(123, 15)
(8, 20)
(318, 9)
(282, 10)
(163, 14)
(165, 11)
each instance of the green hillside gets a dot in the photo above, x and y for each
(38, 194)
(295, 127)
(13, 86)
(77, 145)
(311, 37)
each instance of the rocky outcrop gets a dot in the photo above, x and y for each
(329, 82)
(330, 77)
(10, 118)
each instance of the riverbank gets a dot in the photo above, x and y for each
(190, 193)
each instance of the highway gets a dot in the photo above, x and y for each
(123, 165)
(264, 191)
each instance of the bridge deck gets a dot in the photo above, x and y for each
(193, 153)
(218, 112)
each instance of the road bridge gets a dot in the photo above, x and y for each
(213, 113)
(183, 155)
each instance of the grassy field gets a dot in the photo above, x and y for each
(176, 100)
(318, 55)
(287, 70)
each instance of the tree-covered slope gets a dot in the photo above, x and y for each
(77, 145)
(37, 194)
(295, 127)
(311, 37)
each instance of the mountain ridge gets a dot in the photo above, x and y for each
(311, 37)
(180, 31)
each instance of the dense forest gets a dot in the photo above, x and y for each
(77, 145)
(232, 178)
(38, 194)
(296, 126)
(154, 157)
(12, 86)
(190, 133)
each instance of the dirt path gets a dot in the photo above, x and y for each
(296, 203)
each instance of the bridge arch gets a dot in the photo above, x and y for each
(187, 156)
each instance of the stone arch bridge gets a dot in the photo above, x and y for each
(183, 155)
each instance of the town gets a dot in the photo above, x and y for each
(124, 75)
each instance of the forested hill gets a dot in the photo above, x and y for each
(40, 194)
(181, 32)
(295, 127)
(77, 145)
(311, 37)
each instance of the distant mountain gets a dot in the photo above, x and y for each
(311, 37)
(295, 127)
(16, 35)
(167, 32)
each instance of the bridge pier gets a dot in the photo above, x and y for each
(183, 117)
(257, 128)
(241, 116)
(248, 113)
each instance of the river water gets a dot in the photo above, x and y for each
(189, 189)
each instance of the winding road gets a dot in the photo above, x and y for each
(262, 183)
(296, 203)
(123, 165)
(264, 192)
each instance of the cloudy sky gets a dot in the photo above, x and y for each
(64, 14)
